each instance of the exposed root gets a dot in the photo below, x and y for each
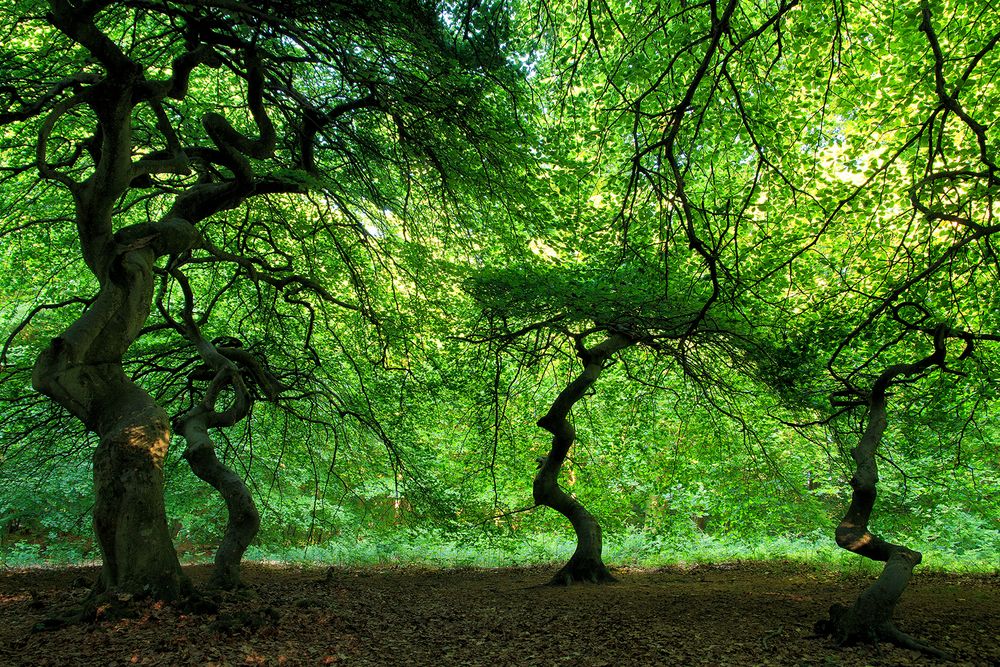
(589, 571)
(96, 608)
(895, 636)
(848, 629)
(56, 622)
(110, 607)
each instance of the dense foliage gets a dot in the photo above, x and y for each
(709, 247)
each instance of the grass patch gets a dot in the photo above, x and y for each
(431, 548)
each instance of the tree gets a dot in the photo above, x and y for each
(933, 285)
(870, 618)
(586, 563)
(159, 121)
(529, 310)
(645, 198)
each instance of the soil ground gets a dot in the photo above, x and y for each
(747, 614)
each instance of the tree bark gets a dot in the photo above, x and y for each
(870, 618)
(586, 563)
(244, 520)
(82, 370)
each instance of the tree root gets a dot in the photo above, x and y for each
(109, 607)
(848, 629)
(588, 571)
(96, 608)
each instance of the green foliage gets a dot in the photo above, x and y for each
(780, 214)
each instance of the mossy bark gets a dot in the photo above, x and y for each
(82, 370)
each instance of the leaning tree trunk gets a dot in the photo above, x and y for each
(82, 370)
(244, 520)
(870, 618)
(225, 364)
(586, 564)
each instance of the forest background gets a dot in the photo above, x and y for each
(740, 216)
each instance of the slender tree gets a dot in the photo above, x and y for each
(586, 563)
(527, 315)
(870, 618)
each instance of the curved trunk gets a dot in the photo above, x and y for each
(870, 618)
(244, 520)
(82, 370)
(586, 564)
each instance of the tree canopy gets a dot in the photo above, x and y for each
(353, 253)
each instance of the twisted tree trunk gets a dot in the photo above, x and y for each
(870, 618)
(244, 520)
(82, 370)
(586, 563)
(120, 137)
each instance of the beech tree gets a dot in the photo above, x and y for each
(798, 197)
(176, 139)
(588, 317)
(639, 241)
(935, 285)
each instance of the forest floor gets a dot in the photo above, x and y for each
(746, 614)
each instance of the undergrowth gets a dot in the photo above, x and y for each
(634, 549)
